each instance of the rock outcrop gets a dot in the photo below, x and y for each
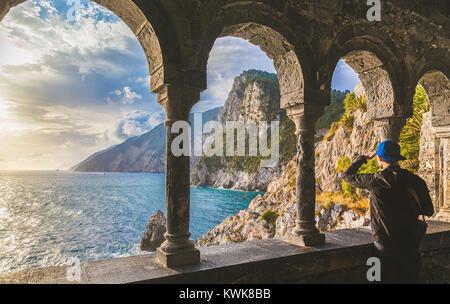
(154, 232)
(254, 97)
(274, 215)
(361, 140)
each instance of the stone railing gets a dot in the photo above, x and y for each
(342, 259)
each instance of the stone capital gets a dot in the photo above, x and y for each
(178, 101)
(170, 75)
(442, 132)
(390, 128)
(305, 116)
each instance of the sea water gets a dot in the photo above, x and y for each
(48, 218)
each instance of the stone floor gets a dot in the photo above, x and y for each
(342, 259)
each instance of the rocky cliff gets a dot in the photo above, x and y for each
(345, 140)
(362, 139)
(274, 213)
(255, 96)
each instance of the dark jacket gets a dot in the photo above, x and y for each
(393, 210)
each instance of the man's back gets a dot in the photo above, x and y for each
(394, 211)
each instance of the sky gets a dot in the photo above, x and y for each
(71, 88)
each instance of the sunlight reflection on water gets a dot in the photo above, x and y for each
(47, 217)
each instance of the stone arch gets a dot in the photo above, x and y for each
(374, 57)
(282, 53)
(158, 55)
(376, 82)
(261, 25)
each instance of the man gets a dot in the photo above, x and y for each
(394, 211)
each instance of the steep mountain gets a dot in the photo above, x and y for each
(145, 153)
(354, 134)
(255, 96)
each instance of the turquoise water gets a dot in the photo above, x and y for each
(48, 217)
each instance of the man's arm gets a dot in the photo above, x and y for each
(351, 177)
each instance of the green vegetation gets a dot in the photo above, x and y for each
(212, 163)
(288, 140)
(370, 167)
(410, 135)
(347, 118)
(328, 199)
(333, 129)
(348, 190)
(270, 216)
(253, 75)
(344, 162)
(334, 111)
(409, 143)
(353, 103)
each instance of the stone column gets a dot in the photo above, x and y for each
(305, 233)
(178, 249)
(390, 128)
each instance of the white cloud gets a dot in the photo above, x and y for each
(136, 123)
(54, 79)
(34, 37)
(144, 81)
(229, 57)
(48, 5)
(130, 96)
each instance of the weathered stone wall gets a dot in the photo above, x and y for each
(437, 87)
(427, 155)
(376, 82)
(434, 164)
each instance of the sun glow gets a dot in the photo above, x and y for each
(8, 122)
(12, 50)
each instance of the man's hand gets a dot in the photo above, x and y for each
(370, 155)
